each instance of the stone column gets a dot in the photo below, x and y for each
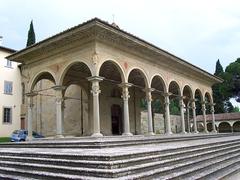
(59, 109)
(96, 115)
(213, 118)
(125, 96)
(149, 107)
(194, 116)
(181, 103)
(204, 117)
(188, 118)
(30, 114)
(167, 114)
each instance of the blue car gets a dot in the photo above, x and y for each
(21, 135)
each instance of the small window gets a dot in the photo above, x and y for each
(8, 87)
(9, 64)
(7, 115)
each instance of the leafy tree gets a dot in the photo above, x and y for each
(232, 80)
(236, 109)
(174, 107)
(31, 35)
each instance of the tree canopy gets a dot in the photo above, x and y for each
(31, 35)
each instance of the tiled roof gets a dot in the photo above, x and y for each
(221, 117)
(7, 49)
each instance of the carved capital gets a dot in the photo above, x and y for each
(125, 92)
(149, 94)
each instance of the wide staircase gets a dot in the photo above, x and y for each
(187, 157)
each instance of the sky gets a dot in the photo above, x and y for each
(198, 31)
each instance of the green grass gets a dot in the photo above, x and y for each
(4, 139)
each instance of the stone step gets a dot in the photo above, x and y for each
(121, 171)
(148, 157)
(215, 170)
(167, 171)
(76, 156)
(108, 142)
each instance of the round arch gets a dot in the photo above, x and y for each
(208, 97)
(138, 76)
(236, 126)
(224, 127)
(116, 66)
(83, 66)
(41, 75)
(156, 81)
(174, 88)
(198, 92)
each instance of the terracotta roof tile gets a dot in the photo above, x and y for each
(221, 117)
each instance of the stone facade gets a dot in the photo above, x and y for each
(104, 60)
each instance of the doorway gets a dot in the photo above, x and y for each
(116, 113)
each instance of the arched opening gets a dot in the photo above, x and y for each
(137, 101)
(116, 115)
(76, 106)
(75, 119)
(224, 127)
(236, 126)
(208, 101)
(158, 116)
(198, 103)
(188, 96)
(200, 127)
(43, 112)
(110, 98)
(174, 106)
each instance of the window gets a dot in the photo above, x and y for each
(7, 115)
(8, 87)
(9, 64)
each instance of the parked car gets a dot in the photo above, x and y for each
(21, 135)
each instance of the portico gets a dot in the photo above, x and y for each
(111, 71)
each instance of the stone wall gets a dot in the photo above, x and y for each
(158, 122)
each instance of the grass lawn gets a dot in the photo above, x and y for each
(4, 139)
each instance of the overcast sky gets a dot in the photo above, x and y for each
(198, 31)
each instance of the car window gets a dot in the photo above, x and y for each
(16, 132)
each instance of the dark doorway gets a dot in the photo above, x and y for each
(22, 123)
(116, 112)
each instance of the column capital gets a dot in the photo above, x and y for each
(167, 94)
(148, 94)
(31, 94)
(95, 78)
(125, 92)
(212, 104)
(59, 88)
(125, 85)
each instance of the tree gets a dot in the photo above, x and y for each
(219, 69)
(232, 80)
(31, 35)
(217, 90)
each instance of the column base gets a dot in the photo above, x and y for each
(168, 133)
(127, 134)
(150, 133)
(214, 131)
(29, 138)
(183, 132)
(206, 132)
(58, 136)
(195, 132)
(96, 135)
